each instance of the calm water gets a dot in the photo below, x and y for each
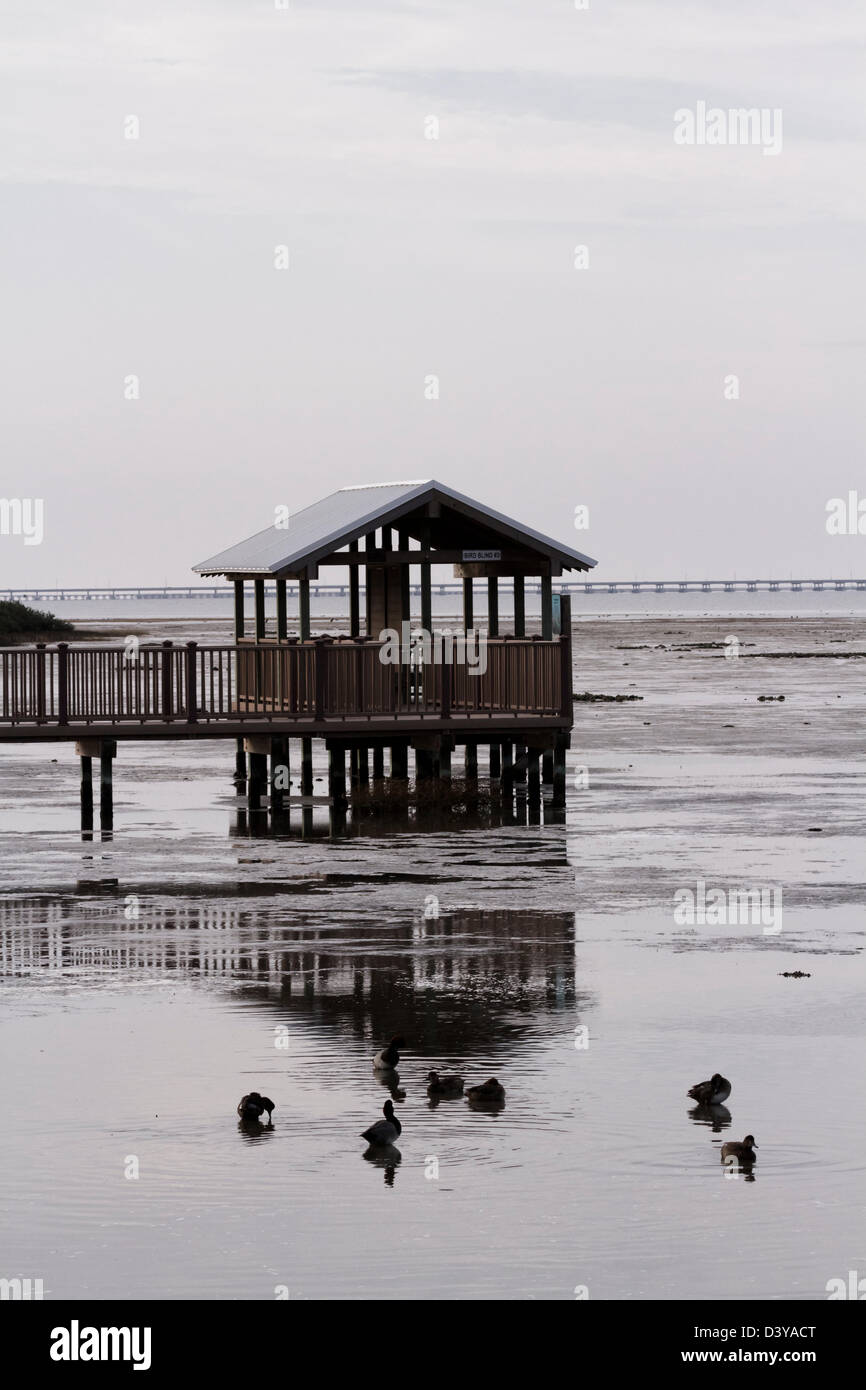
(149, 980)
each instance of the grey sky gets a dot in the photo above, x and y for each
(409, 257)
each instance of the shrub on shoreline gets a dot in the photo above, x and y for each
(17, 620)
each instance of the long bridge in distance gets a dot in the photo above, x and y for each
(62, 593)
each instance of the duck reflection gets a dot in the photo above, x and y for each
(717, 1117)
(253, 1130)
(385, 1156)
(391, 1082)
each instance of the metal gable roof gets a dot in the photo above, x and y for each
(325, 526)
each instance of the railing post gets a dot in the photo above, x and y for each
(40, 682)
(63, 682)
(167, 694)
(320, 654)
(565, 658)
(191, 683)
(446, 690)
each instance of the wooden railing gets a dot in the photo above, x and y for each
(318, 680)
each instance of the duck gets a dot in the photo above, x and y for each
(253, 1106)
(491, 1093)
(384, 1131)
(744, 1153)
(447, 1085)
(712, 1092)
(387, 1059)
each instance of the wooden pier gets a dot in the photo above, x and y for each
(391, 685)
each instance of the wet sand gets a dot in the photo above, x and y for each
(150, 980)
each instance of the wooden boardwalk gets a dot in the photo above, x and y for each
(330, 688)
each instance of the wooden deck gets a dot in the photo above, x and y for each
(332, 688)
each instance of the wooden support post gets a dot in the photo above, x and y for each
(519, 606)
(353, 769)
(492, 606)
(354, 594)
(86, 795)
(534, 786)
(546, 607)
(258, 779)
(507, 762)
(507, 784)
(364, 768)
(306, 767)
(107, 752)
(304, 602)
(534, 772)
(566, 659)
(495, 761)
(547, 767)
(471, 760)
(369, 544)
(240, 764)
(520, 762)
(445, 759)
(62, 682)
(239, 609)
(559, 748)
(337, 774)
(468, 617)
(282, 612)
(405, 580)
(400, 759)
(191, 683)
(167, 687)
(423, 764)
(378, 761)
(426, 597)
(279, 772)
(259, 589)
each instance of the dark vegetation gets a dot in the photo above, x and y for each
(16, 620)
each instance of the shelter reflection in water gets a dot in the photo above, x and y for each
(469, 981)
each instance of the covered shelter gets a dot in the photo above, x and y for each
(386, 530)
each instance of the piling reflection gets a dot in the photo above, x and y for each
(395, 807)
(471, 982)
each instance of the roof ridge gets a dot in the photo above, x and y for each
(400, 482)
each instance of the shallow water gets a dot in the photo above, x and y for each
(149, 980)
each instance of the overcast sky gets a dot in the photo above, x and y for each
(412, 257)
